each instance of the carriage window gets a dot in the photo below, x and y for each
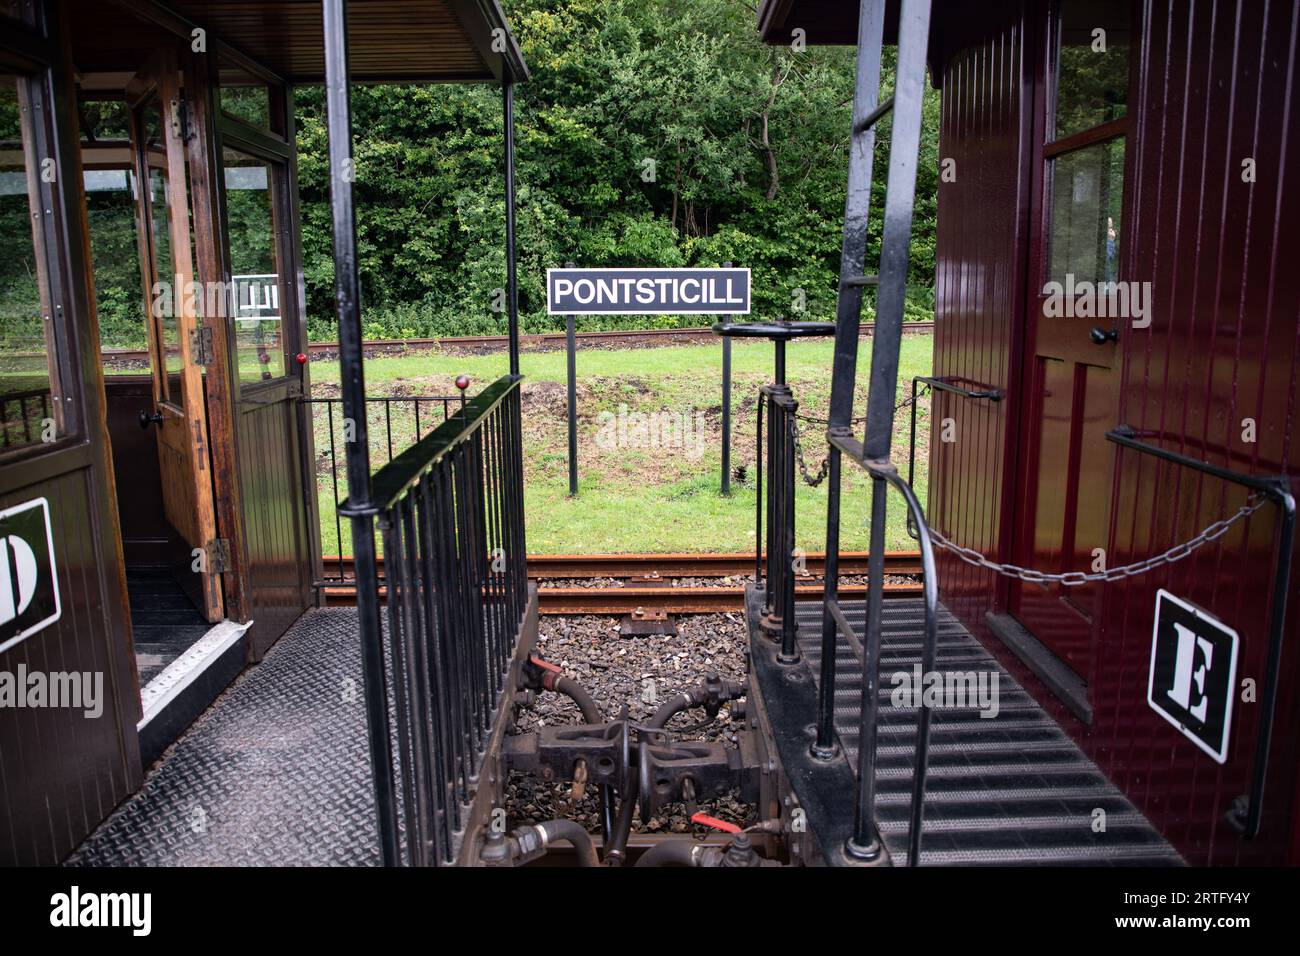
(166, 307)
(30, 406)
(1091, 64)
(252, 104)
(110, 186)
(1087, 189)
(246, 97)
(1086, 157)
(254, 266)
(110, 211)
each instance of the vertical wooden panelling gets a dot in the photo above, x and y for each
(977, 294)
(1217, 89)
(61, 771)
(275, 515)
(1214, 89)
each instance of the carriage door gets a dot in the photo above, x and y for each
(178, 414)
(1072, 355)
(268, 340)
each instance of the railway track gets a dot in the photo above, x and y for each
(625, 583)
(378, 347)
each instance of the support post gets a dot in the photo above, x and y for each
(726, 406)
(570, 341)
(512, 277)
(347, 292)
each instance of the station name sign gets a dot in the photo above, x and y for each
(647, 291)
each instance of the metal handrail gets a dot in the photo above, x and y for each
(885, 470)
(984, 392)
(451, 515)
(1278, 490)
(397, 477)
(385, 440)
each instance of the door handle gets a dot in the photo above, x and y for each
(146, 419)
(1100, 336)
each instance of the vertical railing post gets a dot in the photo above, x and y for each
(347, 290)
(789, 651)
(512, 278)
(905, 141)
(848, 319)
(571, 346)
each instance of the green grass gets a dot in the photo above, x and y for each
(641, 498)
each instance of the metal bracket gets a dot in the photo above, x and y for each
(178, 117)
(201, 346)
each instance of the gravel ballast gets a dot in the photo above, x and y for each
(641, 673)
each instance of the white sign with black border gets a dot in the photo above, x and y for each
(648, 291)
(29, 583)
(1193, 675)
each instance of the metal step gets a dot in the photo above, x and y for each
(1007, 789)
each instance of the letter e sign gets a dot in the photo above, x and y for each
(1193, 673)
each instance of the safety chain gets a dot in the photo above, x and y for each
(814, 480)
(1076, 578)
(862, 418)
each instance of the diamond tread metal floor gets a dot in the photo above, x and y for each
(1008, 789)
(275, 773)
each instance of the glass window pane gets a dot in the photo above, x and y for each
(30, 409)
(166, 296)
(1087, 198)
(254, 267)
(110, 211)
(1092, 64)
(245, 97)
(104, 121)
(252, 104)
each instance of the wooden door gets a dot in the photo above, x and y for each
(1079, 309)
(266, 344)
(167, 261)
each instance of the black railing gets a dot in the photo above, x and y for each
(778, 584)
(394, 422)
(450, 513)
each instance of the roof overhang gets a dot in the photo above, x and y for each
(835, 23)
(389, 41)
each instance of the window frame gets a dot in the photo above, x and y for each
(26, 52)
(1054, 149)
(277, 152)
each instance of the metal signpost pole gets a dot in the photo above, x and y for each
(726, 406)
(573, 400)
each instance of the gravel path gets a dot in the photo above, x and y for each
(641, 672)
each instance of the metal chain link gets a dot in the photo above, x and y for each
(814, 480)
(1076, 578)
(862, 418)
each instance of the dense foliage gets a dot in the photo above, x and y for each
(653, 132)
